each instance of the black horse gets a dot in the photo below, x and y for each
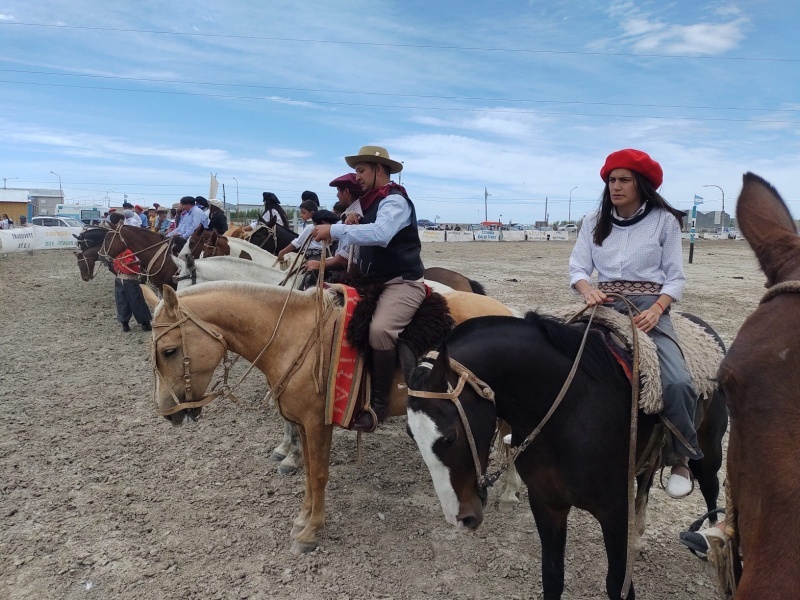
(272, 237)
(580, 458)
(90, 237)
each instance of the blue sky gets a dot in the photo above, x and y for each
(524, 99)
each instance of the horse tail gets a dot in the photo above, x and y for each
(477, 288)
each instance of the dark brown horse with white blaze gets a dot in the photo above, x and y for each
(761, 379)
(580, 457)
(276, 330)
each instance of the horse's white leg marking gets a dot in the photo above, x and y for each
(425, 434)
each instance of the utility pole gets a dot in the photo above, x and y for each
(723, 204)
(238, 216)
(7, 179)
(545, 212)
(486, 195)
(60, 189)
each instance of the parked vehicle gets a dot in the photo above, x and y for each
(53, 221)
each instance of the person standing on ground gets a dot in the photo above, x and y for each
(634, 243)
(389, 252)
(127, 290)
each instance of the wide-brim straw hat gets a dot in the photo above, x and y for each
(374, 154)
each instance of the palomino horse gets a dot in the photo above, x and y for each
(761, 376)
(580, 457)
(152, 251)
(277, 330)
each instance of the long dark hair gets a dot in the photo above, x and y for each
(646, 192)
(271, 202)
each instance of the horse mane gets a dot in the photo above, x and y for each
(596, 362)
(309, 295)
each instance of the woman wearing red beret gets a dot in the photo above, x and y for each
(634, 243)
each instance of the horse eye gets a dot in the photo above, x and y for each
(450, 438)
(169, 352)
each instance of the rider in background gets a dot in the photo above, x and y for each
(389, 252)
(216, 216)
(634, 243)
(348, 191)
(314, 250)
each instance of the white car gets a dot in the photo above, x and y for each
(47, 221)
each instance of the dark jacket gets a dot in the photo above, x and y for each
(401, 258)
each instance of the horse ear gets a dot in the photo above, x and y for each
(767, 225)
(245, 256)
(441, 366)
(212, 239)
(170, 302)
(150, 296)
(77, 237)
(408, 358)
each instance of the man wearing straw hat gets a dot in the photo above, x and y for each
(389, 251)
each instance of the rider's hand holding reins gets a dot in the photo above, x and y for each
(321, 232)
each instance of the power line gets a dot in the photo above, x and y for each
(387, 94)
(398, 106)
(395, 45)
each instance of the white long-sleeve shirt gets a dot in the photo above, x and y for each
(394, 213)
(649, 250)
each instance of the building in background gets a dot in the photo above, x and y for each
(16, 204)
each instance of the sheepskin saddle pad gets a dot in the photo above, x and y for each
(701, 351)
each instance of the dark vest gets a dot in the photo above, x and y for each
(401, 258)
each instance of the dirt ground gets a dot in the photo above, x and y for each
(100, 498)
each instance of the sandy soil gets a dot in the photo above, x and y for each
(100, 498)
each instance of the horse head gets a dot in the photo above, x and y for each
(185, 351)
(86, 261)
(768, 227)
(455, 457)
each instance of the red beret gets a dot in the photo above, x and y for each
(137, 207)
(634, 160)
(348, 182)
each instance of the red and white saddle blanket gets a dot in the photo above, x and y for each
(346, 373)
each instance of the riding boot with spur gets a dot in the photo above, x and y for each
(381, 374)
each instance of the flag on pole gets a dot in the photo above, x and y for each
(213, 186)
(698, 199)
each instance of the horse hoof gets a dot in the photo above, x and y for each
(286, 470)
(277, 456)
(299, 548)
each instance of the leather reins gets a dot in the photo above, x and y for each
(163, 252)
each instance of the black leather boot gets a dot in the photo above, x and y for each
(146, 326)
(381, 373)
(125, 326)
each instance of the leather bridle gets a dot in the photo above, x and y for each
(189, 401)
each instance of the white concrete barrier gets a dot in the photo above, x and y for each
(513, 235)
(534, 235)
(431, 235)
(35, 237)
(487, 235)
(460, 236)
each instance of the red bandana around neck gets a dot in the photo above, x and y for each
(376, 195)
